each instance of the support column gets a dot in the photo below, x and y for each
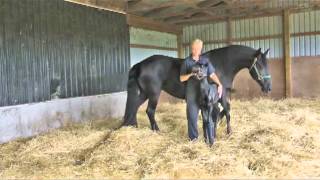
(179, 45)
(287, 57)
(229, 32)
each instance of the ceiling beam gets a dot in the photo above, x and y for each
(146, 23)
(109, 5)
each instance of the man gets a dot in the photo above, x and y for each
(192, 86)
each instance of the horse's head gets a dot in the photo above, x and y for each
(259, 70)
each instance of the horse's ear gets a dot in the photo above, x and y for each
(267, 51)
(258, 52)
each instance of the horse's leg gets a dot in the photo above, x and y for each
(151, 110)
(211, 126)
(134, 99)
(205, 125)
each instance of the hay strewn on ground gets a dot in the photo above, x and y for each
(274, 139)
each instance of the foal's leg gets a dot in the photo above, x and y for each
(205, 124)
(215, 115)
(151, 109)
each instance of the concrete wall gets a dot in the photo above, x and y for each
(305, 77)
(31, 119)
(305, 80)
(245, 87)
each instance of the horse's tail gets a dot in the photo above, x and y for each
(133, 77)
(133, 92)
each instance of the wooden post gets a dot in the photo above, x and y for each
(229, 32)
(286, 49)
(179, 45)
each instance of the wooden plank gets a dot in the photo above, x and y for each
(179, 45)
(104, 6)
(229, 41)
(306, 33)
(145, 23)
(287, 57)
(152, 47)
(229, 32)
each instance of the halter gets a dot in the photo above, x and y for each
(254, 66)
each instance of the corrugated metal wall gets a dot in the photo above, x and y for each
(151, 42)
(213, 35)
(263, 32)
(59, 49)
(305, 33)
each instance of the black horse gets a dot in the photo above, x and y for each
(156, 73)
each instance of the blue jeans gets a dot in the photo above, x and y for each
(192, 96)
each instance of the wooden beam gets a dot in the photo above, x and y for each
(227, 41)
(146, 23)
(287, 57)
(229, 32)
(306, 33)
(179, 45)
(99, 5)
(152, 47)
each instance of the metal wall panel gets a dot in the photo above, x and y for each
(56, 49)
(254, 27)
(206, 32)
(139, 54)
(305, 45)
(259, 27)
(153, 39)
(206, 47)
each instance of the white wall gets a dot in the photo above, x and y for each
(31, 119)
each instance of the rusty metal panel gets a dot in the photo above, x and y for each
(56, 49)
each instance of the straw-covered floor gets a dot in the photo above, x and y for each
(274, 139)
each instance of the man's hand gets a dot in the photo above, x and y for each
(220, 89)
(186, 77)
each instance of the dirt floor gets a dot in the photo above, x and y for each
(270, 139)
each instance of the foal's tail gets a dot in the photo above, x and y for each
(133, 91)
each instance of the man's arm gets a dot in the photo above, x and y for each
(215, 79)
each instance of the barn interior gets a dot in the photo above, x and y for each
(288, 27)
(64, 66)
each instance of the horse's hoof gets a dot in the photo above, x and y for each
(229, 131)
(129, 124)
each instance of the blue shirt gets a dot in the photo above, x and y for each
(189, 62)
